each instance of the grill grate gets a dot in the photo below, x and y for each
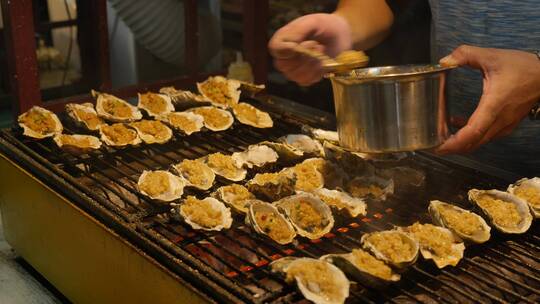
(504, 270)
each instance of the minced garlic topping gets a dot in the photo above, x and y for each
(217, 91)
(273, 225)
(119, 133)
(263, 178)
(370, 264)
(201, 212)
(332, 200)
(223, 164)
(239, 192)
(306, 216)
(194, 171)
(153, 102)
(359, 188)
(393, 245)
(529, 194)
(90, 118)
(182, 122)
(432, 237)
(503, 213)
(213, 117)
(308, 178)
(155, 183)
(463, 222)
(81, 142)
(40, 122)
(152, 127)
(318, 277)
(247, 112)
(116, 108)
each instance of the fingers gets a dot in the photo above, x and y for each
(458, 121)
(476, 57)
(282, 44)
(302, 69)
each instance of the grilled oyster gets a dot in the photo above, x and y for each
(255, 156)
(333, 175)
(505, 211)
(463, 223)
(221, 92)
(354, 164)
(342, 201)
(370, 186)
(308, 177)
(39, 123)
(363, 268)
(405, 178)
(114, 109)
(206, 214)
(267, 220)
(251, 88)
(161, 185)
(319, 281)
(309, 215)
(215, 119)
(392, 246)
(272, 186)
(196, 173)
(251, 116)
(303, 143)
(184, 100)
(224, 165)
(152, 131)
(436, 243)
(155, 104)
(235, 196)
(119, 135)
(84, 115)
(322, 135)
(185, 122)
(77, 143)
(287, 154)
(528, 189)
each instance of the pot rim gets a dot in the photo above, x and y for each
(390, 72)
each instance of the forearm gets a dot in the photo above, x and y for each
(370, 21)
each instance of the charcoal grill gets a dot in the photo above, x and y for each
(232, 265)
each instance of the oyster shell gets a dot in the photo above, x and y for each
(319, 281)
(221, 92)
(39, 123)
(287, 154)
(505, 211)
(84, 115)
(309, 215)
(251, 116)
(436, 243)
(185, 122)
(114, 109)
(196, 173)
(333, 175)
(77, 144)
(224, 165)
(267, 220)
(155, 104)
(370, 186)
(364, 268)
(465, 224)
(392, 246)
(528, 189)
(255, 156)
(405, 178)
(184, 100)
(251, 88)
(161, 185)
(354, 164)
(303, 143)
(272, 186)
(308, 177)
(235, 196)
(215, 119)
(322, 135)
(152, 131)
(207, 214)
(342, 201)
(119, 135)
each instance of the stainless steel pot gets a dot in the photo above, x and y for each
(391, 109)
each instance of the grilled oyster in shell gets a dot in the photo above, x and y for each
(196, 173)
(152, 131)
(251, 116)
(77, 143)
(342, 201)
(370, 186)
(84, 115)
(267, 220)
(318, 280)
(184, 100)
(308, 176)
(392, 246)
(205, 214)
(215, 119)
(114, 109)
(161, 185)
(528, 189)
(303, 143)
(272, 186)
(119, 135)
(463, 223)
(224, 165)
(505, 211)
(287, 154)
(221, 92)
(185, 122)
(39, 123)
(155, 104)
(235, 196)
(255, 156)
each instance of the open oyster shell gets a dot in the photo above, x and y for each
(207, 214)
(39, 123)
(255, 156)
(184, 100)
(322, 135)
(235, 196)
(221, 92)
(196, 173)
(528, 189)
(77, 144)
(272, 186)
(364, 268)
(185, 122)
(267, 220)
(465, 224)
(155, 104)
(370, 186)
(309, 215)
(224, 165)
(308, 176)
(354, 164)
(304, 143)
(215, 119)
(287, 154)
(342, 201)
(84, 115)
(392, 246)
(114, 109)
(436, 243)
(251, 88)
(119, 135)
(161, 185)
(152, 131)
(505, 211)
(333, 175)
(319, 281)
(251, 116)
(405, 179)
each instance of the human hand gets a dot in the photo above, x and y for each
(327, 33)
(511, 87)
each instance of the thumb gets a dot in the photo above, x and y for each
(472, 56)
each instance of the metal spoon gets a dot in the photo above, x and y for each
(345, 61)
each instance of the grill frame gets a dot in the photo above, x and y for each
(137, 233)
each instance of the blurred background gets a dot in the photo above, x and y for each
(147, 43)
